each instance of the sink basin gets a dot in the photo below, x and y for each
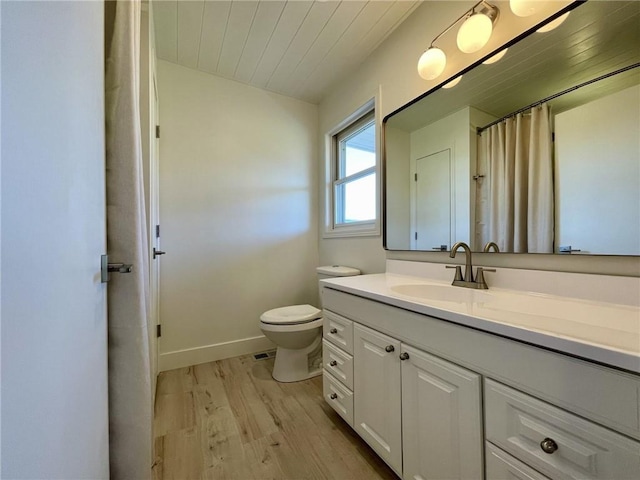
(442, 293)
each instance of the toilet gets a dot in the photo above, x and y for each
(297, 332)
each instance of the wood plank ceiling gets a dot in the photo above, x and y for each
(297, 48)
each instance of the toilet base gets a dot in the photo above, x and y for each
(300, 364)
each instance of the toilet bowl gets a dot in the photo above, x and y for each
(297, 332)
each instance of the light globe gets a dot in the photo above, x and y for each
(554, 24)
(523, 8)
(432, 63)
(496, 57)
(474, 33)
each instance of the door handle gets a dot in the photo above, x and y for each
(106, 268)
(157, 253)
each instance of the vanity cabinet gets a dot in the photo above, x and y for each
(441, 418)
(554, 442)
(337, 364)
(438, 400)
(421, 414)
(377, 394)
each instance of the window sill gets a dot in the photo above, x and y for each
(363, 230)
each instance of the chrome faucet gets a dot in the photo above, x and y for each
(467, 281)
(468, 269)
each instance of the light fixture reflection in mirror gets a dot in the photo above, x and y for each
(453, 82)
(496, 57)
(553, 25)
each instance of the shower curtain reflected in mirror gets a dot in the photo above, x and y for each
(514, 194)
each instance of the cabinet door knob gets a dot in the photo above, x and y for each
(333, 396)
(389, 348)
(404, 356)
(548, 445)
(333, 330)
(333, 363)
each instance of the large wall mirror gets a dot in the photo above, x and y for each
(561, 176)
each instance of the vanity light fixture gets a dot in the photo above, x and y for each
(453, 82)
(474, 33)
(476, 30)
(523, 8)
(496, 57)
(432, 63)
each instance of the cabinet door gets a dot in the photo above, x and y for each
(441, 419)
(502, 466)
(377, 417)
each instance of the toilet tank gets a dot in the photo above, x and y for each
(334, 271)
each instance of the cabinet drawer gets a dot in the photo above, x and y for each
(502, 466)
(338, 363)
(339, 397)
(575, 448)
(338, 330)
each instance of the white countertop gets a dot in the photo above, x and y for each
(603, 332)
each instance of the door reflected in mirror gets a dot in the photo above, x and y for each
(446, 182)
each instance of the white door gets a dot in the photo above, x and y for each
(376, 379)
(54, 324)
(149, 121)
(433, 201)
(441, 419)
(154, 234)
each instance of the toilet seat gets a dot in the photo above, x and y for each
(291, 315)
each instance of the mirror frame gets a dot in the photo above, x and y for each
(384, 159)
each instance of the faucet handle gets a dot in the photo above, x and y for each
(458, 275)
(480, 277)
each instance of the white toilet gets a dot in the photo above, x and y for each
(297, 332)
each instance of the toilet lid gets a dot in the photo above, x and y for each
(291, 315)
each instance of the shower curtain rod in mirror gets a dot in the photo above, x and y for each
(479, 130)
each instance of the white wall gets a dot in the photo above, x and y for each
(238, 202)
(599, 220)
(391, 69)
(398, 200)
(451, 132)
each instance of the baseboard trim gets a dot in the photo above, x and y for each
(210, 353)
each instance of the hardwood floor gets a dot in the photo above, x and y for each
(230, 420)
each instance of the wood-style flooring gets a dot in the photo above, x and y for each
(230, 420)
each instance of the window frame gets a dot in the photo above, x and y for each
(344, 129)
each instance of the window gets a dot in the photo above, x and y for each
(354, 179)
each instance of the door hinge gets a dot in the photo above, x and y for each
(158, 330)
(415, 177)
(157, 131)
(416, 235)
(157, 231)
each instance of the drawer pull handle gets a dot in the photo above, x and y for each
(404, 356)
(548, 445)
(333, 330)
(333, 396)
(333, 363)
(389, 348)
